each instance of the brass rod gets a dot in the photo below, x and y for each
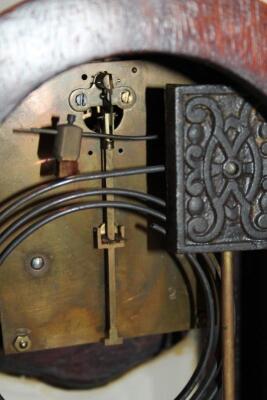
(228, 325)
(108, 155)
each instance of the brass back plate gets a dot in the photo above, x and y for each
(66, 305)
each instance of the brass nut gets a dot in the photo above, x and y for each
(22, 343)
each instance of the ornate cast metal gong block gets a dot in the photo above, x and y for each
(217, 171)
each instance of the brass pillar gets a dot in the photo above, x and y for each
(228, 326)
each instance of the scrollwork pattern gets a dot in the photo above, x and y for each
(224, 172)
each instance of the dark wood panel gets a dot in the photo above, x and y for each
(52, 35)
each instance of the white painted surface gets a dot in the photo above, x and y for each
(159, 379)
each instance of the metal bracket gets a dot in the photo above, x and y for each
(104, 242)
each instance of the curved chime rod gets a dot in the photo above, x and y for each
(202, 382)
(46, 205)
(73, 209)
(26, 200)
(200, 379)
(38, 190)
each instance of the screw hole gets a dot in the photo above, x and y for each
(84, 77)
(90, 152)
(120, 151)
(134, 70)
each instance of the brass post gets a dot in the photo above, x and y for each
(228, 326)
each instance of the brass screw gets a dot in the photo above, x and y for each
(126, 97)
(22, 343)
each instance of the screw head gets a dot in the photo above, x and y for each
(37, 263)
(231, 168)
(126, 97)
(81, 100)
(22, 343)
